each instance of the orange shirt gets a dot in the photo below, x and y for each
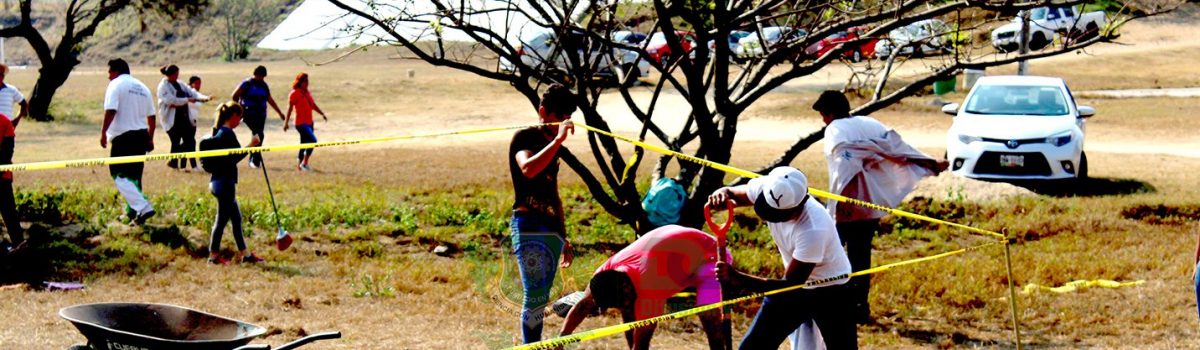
(302, 103)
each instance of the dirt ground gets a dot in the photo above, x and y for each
(447, 303)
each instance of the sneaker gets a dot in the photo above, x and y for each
(305, 168)
(251, 259)
(141, 218)
(218, 261)
(253, 165)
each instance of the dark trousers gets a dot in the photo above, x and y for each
(225, 190)
(781, 314)
(857, 237)
(257, 122)
(8, 204)
(183, 139)
(306, 136)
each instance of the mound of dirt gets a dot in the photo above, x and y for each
(947, 185)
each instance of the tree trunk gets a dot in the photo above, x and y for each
(51, 78)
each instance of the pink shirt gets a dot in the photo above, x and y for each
(663, 262)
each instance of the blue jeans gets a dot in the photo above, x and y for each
(306, 136)
(225, 190)
(538, 244)
(830, 307)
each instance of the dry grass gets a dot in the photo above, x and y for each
(463, 302)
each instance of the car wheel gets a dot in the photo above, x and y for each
(856, 56)
(629, 76)
(1038, 41)
(1091, 31)
(1083, 166)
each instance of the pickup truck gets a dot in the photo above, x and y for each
(1045, 23)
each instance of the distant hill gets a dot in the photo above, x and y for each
(144, 38)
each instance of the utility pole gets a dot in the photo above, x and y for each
(1023, 66)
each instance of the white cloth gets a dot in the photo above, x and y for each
(9, 96)
(812, 238)
(133, 195)
(133, 102)
(807, 337)
(870, 162)
(168, 102)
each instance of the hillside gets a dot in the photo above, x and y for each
(149, 38)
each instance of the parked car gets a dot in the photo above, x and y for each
(865, 49)
(924, 37)
(732, 43)
(628, 37)
(660, 51)
(542, 52)
(1018, 127)
(1044, 24)
(752, 46)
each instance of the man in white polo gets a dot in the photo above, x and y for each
(9, 96)
(129, 127)
(808, 242)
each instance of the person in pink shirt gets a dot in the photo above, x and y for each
(301, 101)
(639, 279)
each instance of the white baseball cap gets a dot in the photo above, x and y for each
(779, 192)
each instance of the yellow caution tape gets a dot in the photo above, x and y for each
(620, 328)
(1079, 284)
(224, 152)
(812, 191)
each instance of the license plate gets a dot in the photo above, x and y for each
(1012, 160)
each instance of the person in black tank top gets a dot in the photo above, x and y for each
(538, 232)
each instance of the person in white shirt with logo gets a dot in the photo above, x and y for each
(9, 96)
(129, 119)
(811, 252)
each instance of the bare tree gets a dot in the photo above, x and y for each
(80, 18)
(239, 22)
(717, 90)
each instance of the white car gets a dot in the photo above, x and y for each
(921, 37)
(1018, 127)
(1045, 23)
(751, 46)
(541, 52)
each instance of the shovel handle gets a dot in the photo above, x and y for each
(720, 230)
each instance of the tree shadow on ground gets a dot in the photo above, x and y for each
(1089, 187)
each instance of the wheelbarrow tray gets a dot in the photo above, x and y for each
(157, 326)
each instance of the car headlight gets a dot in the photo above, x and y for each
(967, 139)
(1059, 140)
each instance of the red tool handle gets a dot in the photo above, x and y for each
(720, 230)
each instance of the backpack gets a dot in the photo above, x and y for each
(663, 202)
(210, 164)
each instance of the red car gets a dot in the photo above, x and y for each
(866, 49)
(660, 52)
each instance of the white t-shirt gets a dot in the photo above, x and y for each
(812, 238)
(133, 102)
(9, 96)
(858, 128)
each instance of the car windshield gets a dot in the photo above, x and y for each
(1017, 100)
(658, 39)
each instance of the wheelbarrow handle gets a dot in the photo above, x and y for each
(254, 347)
(312, 338)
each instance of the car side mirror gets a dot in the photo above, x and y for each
(1086, 111)
(950, 108)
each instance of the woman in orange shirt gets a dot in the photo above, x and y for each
(301, 101)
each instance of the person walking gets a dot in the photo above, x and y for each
(538, 229)
(253, 94)
(639, 279)
(870, 162)
(129, 127)
(223, 183)
(194, 107)
(808, 243)
(9, 96)
(301, 101)
(175, 114)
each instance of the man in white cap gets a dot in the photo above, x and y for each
(808, 242)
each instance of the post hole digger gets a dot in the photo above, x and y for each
(722, 231)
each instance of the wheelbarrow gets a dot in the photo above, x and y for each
(135, 326)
